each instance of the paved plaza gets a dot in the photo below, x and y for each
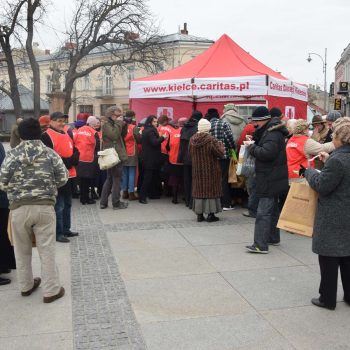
(151, 277)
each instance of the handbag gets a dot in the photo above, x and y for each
(107, 158)
(298, 213)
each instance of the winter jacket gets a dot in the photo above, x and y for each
(248, 130)
(187, 131)
(132, 139)
(151, 154)
(222, 131)
(331, 235)
(269, 151)
(113, 132)
(236, 123)
(205, 151)
(31, 174)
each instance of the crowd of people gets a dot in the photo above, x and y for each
(188, 160)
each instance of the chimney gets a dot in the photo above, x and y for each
(184, 30)
(70, 46)
(47, 52)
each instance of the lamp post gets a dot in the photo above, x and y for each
(324, 67)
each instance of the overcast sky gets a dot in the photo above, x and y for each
(279, 33)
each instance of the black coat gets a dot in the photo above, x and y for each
(4, 203)
(269, 151)
(150, 153)
(187, 131)
(331, 235)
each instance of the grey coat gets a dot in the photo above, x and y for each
(331, 236)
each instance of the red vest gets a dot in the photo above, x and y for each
(85, 142)
(174, 145)
(129, 141)
(164, 129)
(63, 146)
(296, 155)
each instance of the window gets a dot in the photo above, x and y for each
(103, 108)
(85, 82)
(86, 109)
(107, 88)
(246, 110)
(48, 84)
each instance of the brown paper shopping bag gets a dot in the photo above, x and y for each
(232, 176)
(298, 213)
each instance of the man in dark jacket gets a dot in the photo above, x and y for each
(188, 130)
(271, 171)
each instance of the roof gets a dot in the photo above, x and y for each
(26, 97)
(224, 58)
(170, 38)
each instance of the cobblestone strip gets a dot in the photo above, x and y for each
(102, 314)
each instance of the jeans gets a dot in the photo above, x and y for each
(265, 230)
(253, 200)
(63, 208)
(112, 185)
(128, 179)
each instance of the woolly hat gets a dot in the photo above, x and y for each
(204, 125)
(83, 116)
(300, 125)
(317, 119)
(261, 113)
(231, 107)
(212, 113)
(332, 116)
(79, 123)
(275, 112)
(196, 115)
(44, 120)
(92, 121)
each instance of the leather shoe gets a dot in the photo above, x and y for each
(4, 281)
(71, 234)
(143, 201)
(212, 218)
(317, 302)
(200, 217)
(60, 294)
(103, 206)
(62, 240)
(37, 281)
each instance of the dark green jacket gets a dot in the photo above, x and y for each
(113, 132)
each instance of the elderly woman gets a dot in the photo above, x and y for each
(331, 236)
(206, 151)
(300, 148)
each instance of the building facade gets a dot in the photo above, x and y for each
(342, 75)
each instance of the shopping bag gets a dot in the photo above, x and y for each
(108, 158)
(232, 176)
(246, 162)
(298, 213)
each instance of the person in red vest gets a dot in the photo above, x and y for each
(131, 139)
(88, 143)
(175, 166)
(62, 144)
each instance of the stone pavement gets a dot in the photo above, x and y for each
(151, 277)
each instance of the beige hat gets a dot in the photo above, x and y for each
(204, 125)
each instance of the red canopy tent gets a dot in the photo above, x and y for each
(224, 73)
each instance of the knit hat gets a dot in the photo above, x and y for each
(231, 107)
(300, 125)
(44, 120)
(83, 116)
(204, 125)
(212, 113)
(317, 119)
(196, 115)
(275, 112)
(79, 123)
(332, 116)
(92, 121)
(260, 113)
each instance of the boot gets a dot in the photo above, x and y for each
(175, 201)
(200, 218)
(93, 194)
(132, 196)
(212, 218)
(125, 195)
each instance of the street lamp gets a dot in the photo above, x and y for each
(324, 68)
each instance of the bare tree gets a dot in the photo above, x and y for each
(122, 31)
(7, 33)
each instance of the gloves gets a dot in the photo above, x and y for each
(302, 171)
